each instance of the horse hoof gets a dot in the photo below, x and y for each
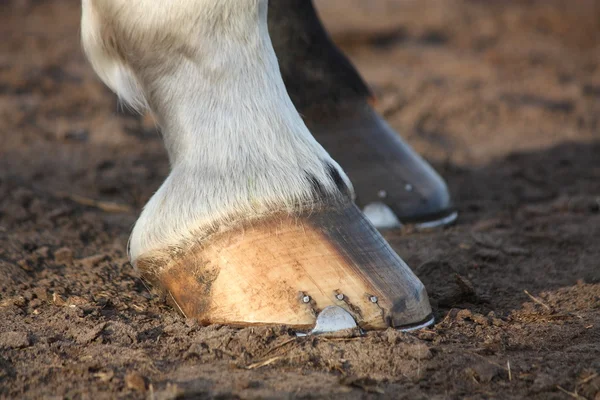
(384, 170)
(321, 271)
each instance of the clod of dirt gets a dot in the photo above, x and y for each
(417, 351)
(120, 333)
(135, 381)
(64, 255)
(14, 340)
(17, 301)
(484, 371)
(90, 335)
(446, 286)
(25, 265)
(58, 300)
(76, 301)
(42, 252)
(92, 261)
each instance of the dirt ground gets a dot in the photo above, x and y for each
(502, 97)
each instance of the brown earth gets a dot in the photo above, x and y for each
(503, 97)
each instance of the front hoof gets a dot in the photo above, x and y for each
(288, 269)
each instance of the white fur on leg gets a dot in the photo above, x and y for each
(113, 72)
(237, 146)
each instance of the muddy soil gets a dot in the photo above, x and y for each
(502, 97)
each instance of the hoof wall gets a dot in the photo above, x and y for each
(325, 271)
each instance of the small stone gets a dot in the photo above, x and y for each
(42, 252)
(494, 320)
(74, 311)
(57, 299)
(105, 376)
(120, 333)
(14, 340)
(92, 261)
(35, 303)
(25, 265)
(480, 319)
(90, 334)
(189, 322)
(464, 314)
(63, 256)
(76, 301)
(41, 293)
(18, 301)
(135, 381)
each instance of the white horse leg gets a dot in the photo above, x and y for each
(255, 222)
